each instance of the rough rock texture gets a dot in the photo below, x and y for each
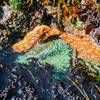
(34, 81)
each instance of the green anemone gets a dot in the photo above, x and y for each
(56, 53)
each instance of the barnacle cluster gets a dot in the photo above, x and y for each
(3, 36)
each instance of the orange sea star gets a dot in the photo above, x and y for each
(84, 45)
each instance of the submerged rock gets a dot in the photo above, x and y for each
(34, 81)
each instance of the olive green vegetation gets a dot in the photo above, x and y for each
(92, 67)
(17, 5)
(56, 53)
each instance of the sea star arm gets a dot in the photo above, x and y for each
(30, 39)
(85, 46)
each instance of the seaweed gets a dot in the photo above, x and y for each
(17, 5)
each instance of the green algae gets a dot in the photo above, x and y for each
(17, 5)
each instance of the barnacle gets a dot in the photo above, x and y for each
(4, 34)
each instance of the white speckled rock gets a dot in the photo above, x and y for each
(7, 12)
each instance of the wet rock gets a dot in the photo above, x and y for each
(3, 36)
(18, 23)
(34, 81)
(1, 12)
(95, 34)
(6, 13)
